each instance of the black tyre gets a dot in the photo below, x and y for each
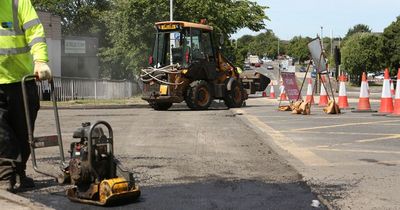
(160, 106)
(234, 97)
(199, 96)
(188, 97)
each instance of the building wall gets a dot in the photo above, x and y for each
(52, 28)
(79, 57)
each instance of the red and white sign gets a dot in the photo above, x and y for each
(290, 83)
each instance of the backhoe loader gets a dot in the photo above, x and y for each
(187, 66)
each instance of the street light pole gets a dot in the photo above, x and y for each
(322, 38)
(171, 38)
(171, 10)
(331, 42)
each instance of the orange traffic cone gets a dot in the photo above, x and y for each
(343, 102)
(272, 92)
(264, 93)
(386, 99)
(396, 111)
(310, 95)
(323, 97)
(363, 102)
(392, 88)
(283, 93)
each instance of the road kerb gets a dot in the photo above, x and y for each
(21, 202)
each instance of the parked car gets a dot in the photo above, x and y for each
(257, 64)
(270, 67)
(303, 69)
(314, 73)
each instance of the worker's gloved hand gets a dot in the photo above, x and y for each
(42, 70)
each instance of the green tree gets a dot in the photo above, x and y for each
(362, 52)
(263, 44)
(298, 48)
(131, 23)
(391, 43)
(78, 17)
(359, 28)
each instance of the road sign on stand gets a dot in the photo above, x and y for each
(290, 83)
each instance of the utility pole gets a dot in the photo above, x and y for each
(322, 38)
(171, 35)
(171, 10)
(331, 42)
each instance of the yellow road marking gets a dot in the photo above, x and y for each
(305, 155)
(344, 125)
(340, 133)
(379, 139)
(359, 151)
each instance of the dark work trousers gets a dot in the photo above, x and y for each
(14, 143)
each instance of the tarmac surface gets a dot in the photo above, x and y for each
(250, 158)
(352, 159)
(181, 160)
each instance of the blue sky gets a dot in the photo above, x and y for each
(294, 17)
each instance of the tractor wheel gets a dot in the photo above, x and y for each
(233, 97)
(199, 96)
(161, 106)
(188, 97)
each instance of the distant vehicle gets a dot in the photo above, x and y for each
(270, 67)
(303, 69)
(314, 73)
(380, 77)
(247, 66)
(371, 74)
(266, 60)
(253, 59)
(257, 64)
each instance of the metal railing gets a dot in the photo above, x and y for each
(68, 88)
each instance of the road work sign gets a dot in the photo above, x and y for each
(290, 83)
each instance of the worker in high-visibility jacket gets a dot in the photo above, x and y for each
(23, 51)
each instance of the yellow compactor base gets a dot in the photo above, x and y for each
(110, 191)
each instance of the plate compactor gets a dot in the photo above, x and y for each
(97, 177)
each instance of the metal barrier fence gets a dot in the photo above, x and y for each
(81, 88)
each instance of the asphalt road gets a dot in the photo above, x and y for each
(182, 160)
(351, 159)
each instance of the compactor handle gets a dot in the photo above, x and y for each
(29, 124)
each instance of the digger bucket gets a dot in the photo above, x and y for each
(44, 141)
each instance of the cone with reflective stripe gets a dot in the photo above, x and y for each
(310, 95)
(323, 97)
(343, 102)
(392, 88)
(283, 93)
(363, 102)
(386, 99)
(272, 91)
(396, 111)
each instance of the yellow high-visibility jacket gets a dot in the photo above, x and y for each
(22, 40)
